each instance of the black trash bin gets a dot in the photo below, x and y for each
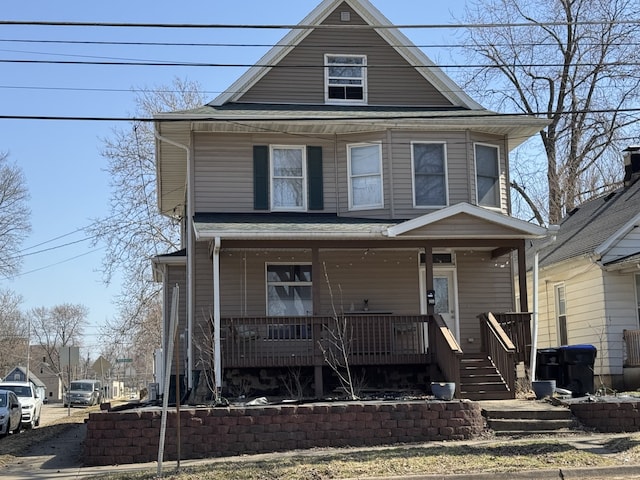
(576, 365)
(548, 365)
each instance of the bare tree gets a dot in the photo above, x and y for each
(135, 231)
(14, 215)
(58, 327)
(13, 332)
(574, 62)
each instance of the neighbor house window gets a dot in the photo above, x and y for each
(561, 314)
(487, 175)
(365, 176)
(429, 174)
(288, 178)
(346, 78)
(289, 290)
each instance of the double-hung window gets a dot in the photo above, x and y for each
(345, 78)
(561, 314)
(487, 175)
(365, 176)
(289, 290)
(288, 178)
(429, 167)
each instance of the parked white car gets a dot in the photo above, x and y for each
(10, 413)
(30, 401)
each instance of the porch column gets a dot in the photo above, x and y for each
(428, 270)
(522, 276)
(317, 273)
(217, 358)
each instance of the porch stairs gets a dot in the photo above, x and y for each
(526, 417)
(479, 379)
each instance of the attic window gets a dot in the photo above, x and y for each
(345, 78)
(345, 16)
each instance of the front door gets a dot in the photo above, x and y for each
(446, 288)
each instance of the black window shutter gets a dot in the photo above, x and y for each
(314, 173)
(260, 177)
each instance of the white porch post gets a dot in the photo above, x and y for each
(217, 359)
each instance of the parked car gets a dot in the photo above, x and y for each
(30, 401)
(10, 413)
(83, 392)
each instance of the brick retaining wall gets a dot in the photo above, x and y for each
(132, 436)
(610, 416)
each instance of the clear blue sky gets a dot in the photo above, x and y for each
(61, 160)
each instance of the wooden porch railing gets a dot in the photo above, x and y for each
(296, 341)
(517, 326)
(500, 348)
(632, 347)
(446, 352)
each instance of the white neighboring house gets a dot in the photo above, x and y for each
(589, 281)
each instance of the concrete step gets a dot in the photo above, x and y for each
(518, 417)
(484, 395)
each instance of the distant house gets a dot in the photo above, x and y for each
(344, 176)
(19, 374)
(589, 281)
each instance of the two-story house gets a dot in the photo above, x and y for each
(343, 177)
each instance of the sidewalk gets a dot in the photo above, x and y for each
(61, 458)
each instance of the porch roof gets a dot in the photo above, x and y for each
(287, 226)
(478, 223)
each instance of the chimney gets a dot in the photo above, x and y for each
(631, 158)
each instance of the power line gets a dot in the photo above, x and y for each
(216, 26)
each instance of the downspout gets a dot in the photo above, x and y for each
(190, 257)
(552, 230)
(217, 362)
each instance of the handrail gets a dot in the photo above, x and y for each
(632, 347)
(446, 352)
(501, 350)
(517, 326)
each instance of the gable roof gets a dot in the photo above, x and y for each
(593, 227)
(23, 374)
(511, 227)
(368, 12)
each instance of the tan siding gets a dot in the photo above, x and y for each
(176, 275)
(621, 314)
(457, 171)
(587, 320)
(299, 77)
(477, 294)
(388, 279)
(224, 169)
(462, 225)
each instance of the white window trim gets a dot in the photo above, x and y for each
(475, 165)
(446, 175)
(349, 176)
(556, 302)
(339, 101)
(267, 283)
(303, 207)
